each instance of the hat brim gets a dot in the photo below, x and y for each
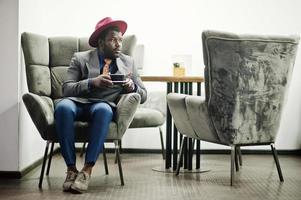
(93, 40)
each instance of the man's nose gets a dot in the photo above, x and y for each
(118, 44)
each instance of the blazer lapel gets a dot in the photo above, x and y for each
(93, 64)
(122, 67)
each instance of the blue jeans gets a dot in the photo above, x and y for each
(99, 115)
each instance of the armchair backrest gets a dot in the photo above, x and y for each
(47, 60)
(246, 77)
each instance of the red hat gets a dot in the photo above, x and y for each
(102, 25)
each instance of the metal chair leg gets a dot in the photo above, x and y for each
(50, 158)
(239, 156)
(162, 143)
(83, 150)
(105, 160)
(44, 164)
(120, 149)
(277, 162)
(180, 156)
(236, 159)
(232, 164)
(120, 146)
(115, 162)
(119, 161)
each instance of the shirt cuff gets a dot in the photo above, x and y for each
(90, 84)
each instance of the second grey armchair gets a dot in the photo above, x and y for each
(246, 79)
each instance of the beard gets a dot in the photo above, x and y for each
(110, 53)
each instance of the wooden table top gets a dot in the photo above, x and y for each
(194, 79)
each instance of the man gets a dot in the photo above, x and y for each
(91, 96)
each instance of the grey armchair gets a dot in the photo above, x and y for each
(47, 60)
(246, 78)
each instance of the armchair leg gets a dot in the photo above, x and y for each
(236, 158)
(277, 162)
(232, 164)
(180, 155)
(105, 160)
(83, 150)
(239, 155)
(118, 161)
(120, 150)
(162, 143)
(50, 158)
(44, 164)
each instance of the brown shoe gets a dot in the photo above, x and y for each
(70, 178)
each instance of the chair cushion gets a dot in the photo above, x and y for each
(146, 117)
(35, 48)
(58, 77)
(84, 44)
(61, 50)
(38, 79)
(128, 44)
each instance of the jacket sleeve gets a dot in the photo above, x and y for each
(75, 85)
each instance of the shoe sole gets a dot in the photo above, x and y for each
(76, 190)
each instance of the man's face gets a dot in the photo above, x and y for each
(112, 44)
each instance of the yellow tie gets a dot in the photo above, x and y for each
(106, 67)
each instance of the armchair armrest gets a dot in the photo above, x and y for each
(155, 100)
(41, 111)
(125, 111)
(177, 106)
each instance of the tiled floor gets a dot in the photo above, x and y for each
(257, 179)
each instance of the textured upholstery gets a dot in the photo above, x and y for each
(36, 54)
(246, 81)
(248, 76)
(35, 49)
(61, 50)
(47, 60)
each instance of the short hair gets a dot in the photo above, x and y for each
(104, 33)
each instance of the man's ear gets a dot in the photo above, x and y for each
(100, 43)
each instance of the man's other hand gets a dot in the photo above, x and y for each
(129, 85)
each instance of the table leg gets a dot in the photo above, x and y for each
(168, 131)
(190, 149)
(198, 143)
(172, 141)
(186, 145)
(181, 136)
(198, 153)
(175, 138)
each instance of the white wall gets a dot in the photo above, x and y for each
(165, 28)
(9, 62)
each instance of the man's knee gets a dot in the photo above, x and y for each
(65, 106)
(103, 109)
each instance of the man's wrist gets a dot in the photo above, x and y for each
(90, 83)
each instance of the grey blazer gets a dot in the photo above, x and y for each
(85, 65)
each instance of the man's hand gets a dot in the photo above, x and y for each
(129, 85)
(102, 80)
